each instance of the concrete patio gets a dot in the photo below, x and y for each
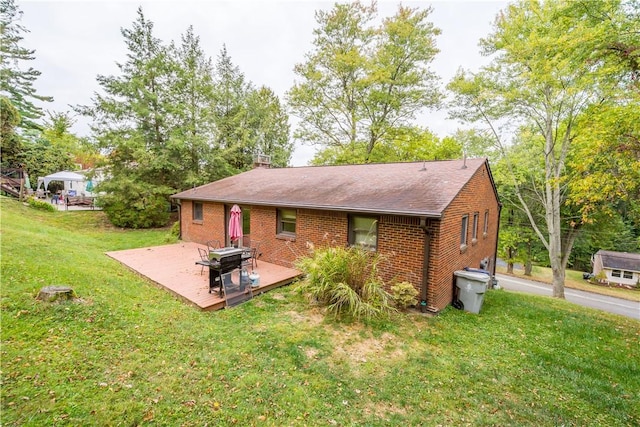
(173, 268)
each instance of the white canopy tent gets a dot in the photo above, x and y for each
(73, 182)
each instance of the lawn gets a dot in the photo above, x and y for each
(129, 353)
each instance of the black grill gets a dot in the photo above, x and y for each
(227, 262)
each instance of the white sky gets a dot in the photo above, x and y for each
(75, 41)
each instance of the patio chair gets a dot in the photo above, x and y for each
(255, 253)
(204, 259)
(213, 244)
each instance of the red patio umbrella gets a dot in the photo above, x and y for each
(235, 224)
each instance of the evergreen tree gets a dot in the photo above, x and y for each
(11, 145)
(132, 121)
(15, 83)
(230, 112)
(171, 120)
(193, 127)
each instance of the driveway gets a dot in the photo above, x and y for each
(601, 302)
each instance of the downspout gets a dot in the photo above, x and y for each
(179, 203)
(425, 264)
(495, 252)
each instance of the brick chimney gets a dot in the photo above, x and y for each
(261, 161)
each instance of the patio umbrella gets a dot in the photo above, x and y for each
(235, 225)
(89, 186)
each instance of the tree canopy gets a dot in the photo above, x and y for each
(363, 81)
(16, 82)
(172, 119)
(555, 67)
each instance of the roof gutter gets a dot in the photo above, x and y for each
(356, 209)
(495, 251)
(425, 264)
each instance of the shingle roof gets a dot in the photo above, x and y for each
(620, 260)
(416, 188)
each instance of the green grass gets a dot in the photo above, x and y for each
(129, 353)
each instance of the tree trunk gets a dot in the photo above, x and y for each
(55, 293)
(510, 255)
(558, 281)
(528, 267)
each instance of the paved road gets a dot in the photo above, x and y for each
(587, 299)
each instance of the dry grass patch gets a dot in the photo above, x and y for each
(310, 317)
(350, 346)
(383, 410)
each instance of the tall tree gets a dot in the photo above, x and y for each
(544, 75)
(172, 120)
(230, 111)
(269, 125)
(607, 155)
(57, 133)
(361, 81)
(248, 120)
(401, 144)
(193, 126)
(11, 144)
(15, 82)
(132, 121)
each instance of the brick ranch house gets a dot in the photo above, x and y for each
(427, 219)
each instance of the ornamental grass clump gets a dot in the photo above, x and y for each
(346, 281)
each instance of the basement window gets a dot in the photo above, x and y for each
(616, 273)
(627, 275)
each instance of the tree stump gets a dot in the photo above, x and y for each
(55, 293)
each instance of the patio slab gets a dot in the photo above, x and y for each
(173, 268)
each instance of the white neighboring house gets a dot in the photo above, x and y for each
(619, 267)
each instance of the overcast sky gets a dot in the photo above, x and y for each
(77, 40)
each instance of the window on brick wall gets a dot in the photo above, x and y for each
(197, 211)
(474, 229)
(485, 229)
(463, 232)
(363, 232)
(287, 222)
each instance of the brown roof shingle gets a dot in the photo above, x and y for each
(620, 260)
(416, 188)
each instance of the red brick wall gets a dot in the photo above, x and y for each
(400, 239)
(477, 196)
(401, 244)
(212, 226)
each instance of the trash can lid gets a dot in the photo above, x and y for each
(479, 277)
(477, 270)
